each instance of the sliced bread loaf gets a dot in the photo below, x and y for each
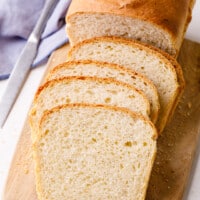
(93, 152)
(140, 20)
(87, 90)
(108, 70)
(141, 58)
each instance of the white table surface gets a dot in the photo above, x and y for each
(9, 135)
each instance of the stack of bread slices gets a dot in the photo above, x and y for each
(96, 118)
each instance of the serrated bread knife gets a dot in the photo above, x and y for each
(24, 62)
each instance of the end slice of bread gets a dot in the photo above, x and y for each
(141, 58)
(93, 152)
(90, 90)
(107, 70)
(139, 20)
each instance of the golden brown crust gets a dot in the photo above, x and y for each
(188, 19)
(180, 77)
(38, 179)
(150, 170)
(181, 88)
(114, 108)
(171, 16)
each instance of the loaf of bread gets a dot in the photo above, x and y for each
(90, 90)
(90, 121)
(161, 23)
(93, 152)
(141, 58)
(108, 70)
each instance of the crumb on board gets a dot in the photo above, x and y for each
(189, 104)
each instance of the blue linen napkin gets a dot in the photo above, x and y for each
(17, 20)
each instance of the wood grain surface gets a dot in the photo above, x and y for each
(176, 146)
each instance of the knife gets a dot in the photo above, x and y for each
(22, 67)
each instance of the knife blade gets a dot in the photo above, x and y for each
(22, 67)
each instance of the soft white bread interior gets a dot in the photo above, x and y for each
(90, 90)
(108, 70)
(141, 58)
(143, 20)
(93, 152)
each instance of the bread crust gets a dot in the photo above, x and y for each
(181, 81)
(180, 78)
(173, 20)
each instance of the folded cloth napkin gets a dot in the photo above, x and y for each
(17, 20)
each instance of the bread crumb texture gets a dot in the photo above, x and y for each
(87, 152)
(88, 90)
(107, 70)
(133, 55)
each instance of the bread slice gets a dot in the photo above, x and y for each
(87, 90)
(93, 152)
(108, 70)
(140, 20)
(141, 58)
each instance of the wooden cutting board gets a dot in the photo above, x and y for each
(176, 146)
